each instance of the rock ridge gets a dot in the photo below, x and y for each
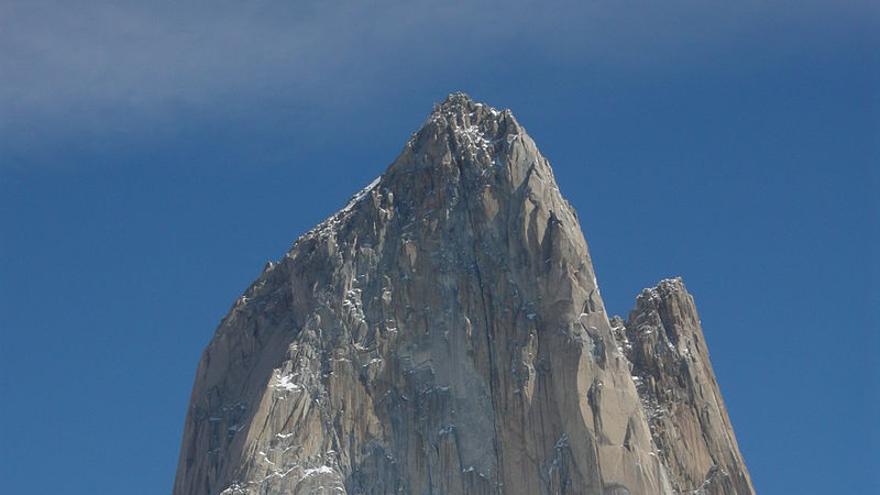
(444, 333)
(663, 339)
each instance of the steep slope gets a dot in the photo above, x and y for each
(664, 341)
(443, 333)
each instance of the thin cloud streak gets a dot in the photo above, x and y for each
(107, 68)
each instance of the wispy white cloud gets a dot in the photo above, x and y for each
(103, 66)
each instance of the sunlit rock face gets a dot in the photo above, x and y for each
(663, 339)
(444, 334)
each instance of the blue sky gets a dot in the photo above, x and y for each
(154, 157)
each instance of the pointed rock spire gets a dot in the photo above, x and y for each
(665, 343)
(442, 333)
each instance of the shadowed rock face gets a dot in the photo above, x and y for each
(444, 333)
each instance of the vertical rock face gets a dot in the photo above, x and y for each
(444, 333)
(664, 342)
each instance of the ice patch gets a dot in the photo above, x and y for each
(362, 194)
(318, 470)
(286, 383)
(331, 224)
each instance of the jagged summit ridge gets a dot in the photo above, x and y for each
(462, 109)
(472, 129)
(443, 333)
(664, 288)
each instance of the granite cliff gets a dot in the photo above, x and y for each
(444, 333)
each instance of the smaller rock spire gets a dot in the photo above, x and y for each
(664, 341)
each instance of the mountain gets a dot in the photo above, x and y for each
(444, 333)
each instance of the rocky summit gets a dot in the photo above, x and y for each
(444, 333)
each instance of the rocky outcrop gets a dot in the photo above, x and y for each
(663, 340)
(444, 333)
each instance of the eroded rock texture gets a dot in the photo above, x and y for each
(444, 334)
